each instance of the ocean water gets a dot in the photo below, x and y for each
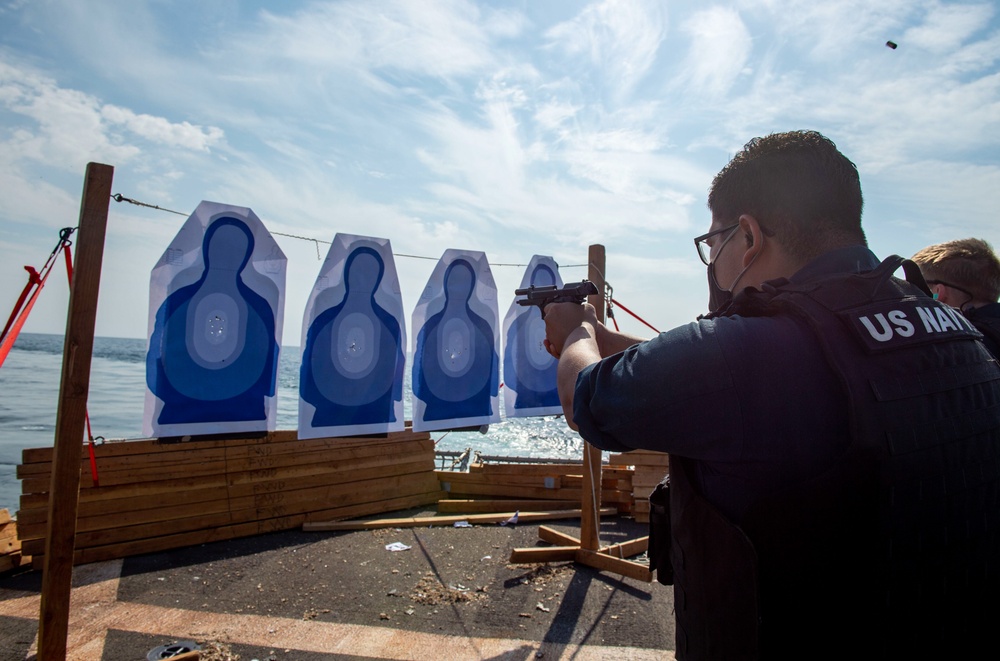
(29, 394)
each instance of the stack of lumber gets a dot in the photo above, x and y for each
(529, 487)
(10, 544)
(649, 468)
(153, 496)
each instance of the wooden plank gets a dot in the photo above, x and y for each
(527, 469)
(379, 507)
(105, 464)
(135, 517)
(372, 500)
(590, 499)
(416, 522)
(138, 532)
(9, 562)
(260, 458)
(622, 550)
(334, 471)
(300, 500)
(110, 509)
(617, 472)
(576, 482)
(334, 467)
(143, 490)
(538, 554)
(151, 473)
(460, 491)
(626, 549)
(343, 448)
(616, 565)
(147, 522)
(553, 536)
(504, 491)
(257, 527)
(498, 505)
(282, 483)
(538, 481)
(70, 416)
(250, 462)
(275, 439)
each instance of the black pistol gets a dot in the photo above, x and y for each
(576, 292)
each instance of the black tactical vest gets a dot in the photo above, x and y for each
(989, 326)
(894, 550)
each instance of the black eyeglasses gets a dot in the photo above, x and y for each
(705, 250)
(948, 284)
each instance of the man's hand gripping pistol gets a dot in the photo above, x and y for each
(576, 292)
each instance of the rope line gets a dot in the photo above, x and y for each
(118, 197)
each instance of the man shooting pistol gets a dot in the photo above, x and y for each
(576, 292)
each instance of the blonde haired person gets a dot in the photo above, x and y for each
(965, 274)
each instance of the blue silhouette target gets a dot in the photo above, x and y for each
(456, 348)
(216, 302)
(351, 377)
(529, 372)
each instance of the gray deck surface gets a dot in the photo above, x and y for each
(342, 595)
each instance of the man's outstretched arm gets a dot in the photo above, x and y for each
(571, 336)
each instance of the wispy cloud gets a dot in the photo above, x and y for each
(720, 46)
(69, 127)
(947, 27)
(619, 38)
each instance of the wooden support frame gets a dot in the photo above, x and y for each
(587, 550)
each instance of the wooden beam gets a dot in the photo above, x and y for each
(626, 549)
(543, 554)
(421, 521)
(453, 506)
(620, 550)
(591, 498)
(53, 623)
(553, 536)
(616, 565)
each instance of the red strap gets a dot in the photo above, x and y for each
(8, 340)
(36, 280)
(90, 433)
(69, 263)
(93, 457)
(33, 280)
(634, 315)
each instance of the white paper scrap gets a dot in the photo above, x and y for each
(397, 546)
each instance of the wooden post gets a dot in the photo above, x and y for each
(587, 549)
(589, 522)
(53, 622)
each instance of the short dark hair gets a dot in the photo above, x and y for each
(800, 188)
(967, 263)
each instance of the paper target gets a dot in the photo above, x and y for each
(351, 378)
(529, 372)
(456, 347)
(216, 303)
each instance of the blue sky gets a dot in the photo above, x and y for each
(515, 128)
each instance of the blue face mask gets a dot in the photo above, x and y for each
(718, 297)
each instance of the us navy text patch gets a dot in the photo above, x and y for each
(893, 324)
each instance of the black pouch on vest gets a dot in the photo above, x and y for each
(659, 533)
